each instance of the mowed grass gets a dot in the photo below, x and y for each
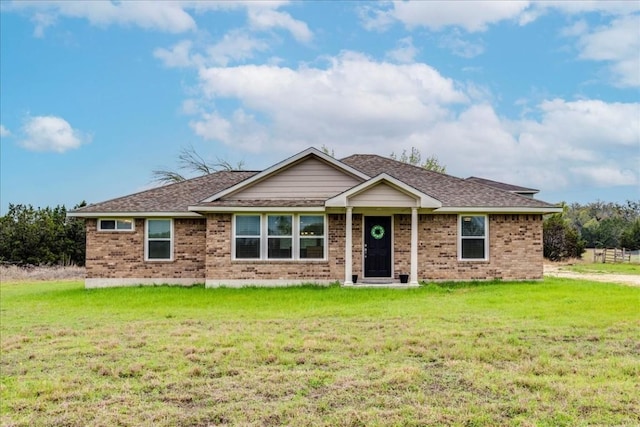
(558, 352)
(609, 268)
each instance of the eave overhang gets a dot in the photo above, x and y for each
(180, 214)
(500, 210)
(233, 209)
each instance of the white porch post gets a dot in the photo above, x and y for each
(348, 255)
(413, 279)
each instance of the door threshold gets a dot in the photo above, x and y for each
(378, 281)
(388, 285)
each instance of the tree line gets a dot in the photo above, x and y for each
(41, 236)
(593, 225)
(47, 236)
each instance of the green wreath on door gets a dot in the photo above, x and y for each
(377, 232)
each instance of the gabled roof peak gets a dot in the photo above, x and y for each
(295, 159)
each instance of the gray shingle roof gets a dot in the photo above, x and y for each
(451, 191)
(173, 197)
(502, 185)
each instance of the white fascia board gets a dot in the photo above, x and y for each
(424, 200)
(181, 214)
(506, 210)
(226, 209)
(284, 164)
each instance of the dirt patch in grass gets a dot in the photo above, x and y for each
(568, 271)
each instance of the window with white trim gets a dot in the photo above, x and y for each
(279, 236)
(105, 224)
(311, 236)
(473, 237)
(159, 240)
(247, 240)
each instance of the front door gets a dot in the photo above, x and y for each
(377, 246)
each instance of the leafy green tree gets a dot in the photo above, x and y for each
(630, 238)
(41, 236)
(560, 239)
(415, 158)
(603, 224)
(328, 151)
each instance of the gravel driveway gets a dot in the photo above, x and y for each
(624, 279)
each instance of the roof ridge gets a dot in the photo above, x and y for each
(486, 181)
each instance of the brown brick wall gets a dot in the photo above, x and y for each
(402, 245)
(116, 255)
(205, 245)
(221, 266)
(357, 237)
(515, 249)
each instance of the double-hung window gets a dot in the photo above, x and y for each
(311, 236)
(247, 240)
(473, 237)
(159, 240)
(115, 224)
(279, 237)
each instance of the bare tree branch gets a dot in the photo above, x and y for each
(165, 177)
(189, 160)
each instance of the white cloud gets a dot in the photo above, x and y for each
(166, 16)
(42, 21)
(179, 55)
(404, 53)
(377, 17)
(169, 16)
(609, 7)
(356, 104)
(253, 138)
(476, 16)
(353, 100)
(618, 43)
(459, 46)
(606, 175)
(235, 46)
(263, 16)
(4, 132)
(593, 122)
(51, 133)
(437, 15)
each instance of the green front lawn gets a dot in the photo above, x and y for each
(558, 352)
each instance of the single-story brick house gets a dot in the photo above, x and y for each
(313, 218)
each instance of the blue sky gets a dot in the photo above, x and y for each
(95, 95)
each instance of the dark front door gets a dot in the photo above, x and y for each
(377, 246)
